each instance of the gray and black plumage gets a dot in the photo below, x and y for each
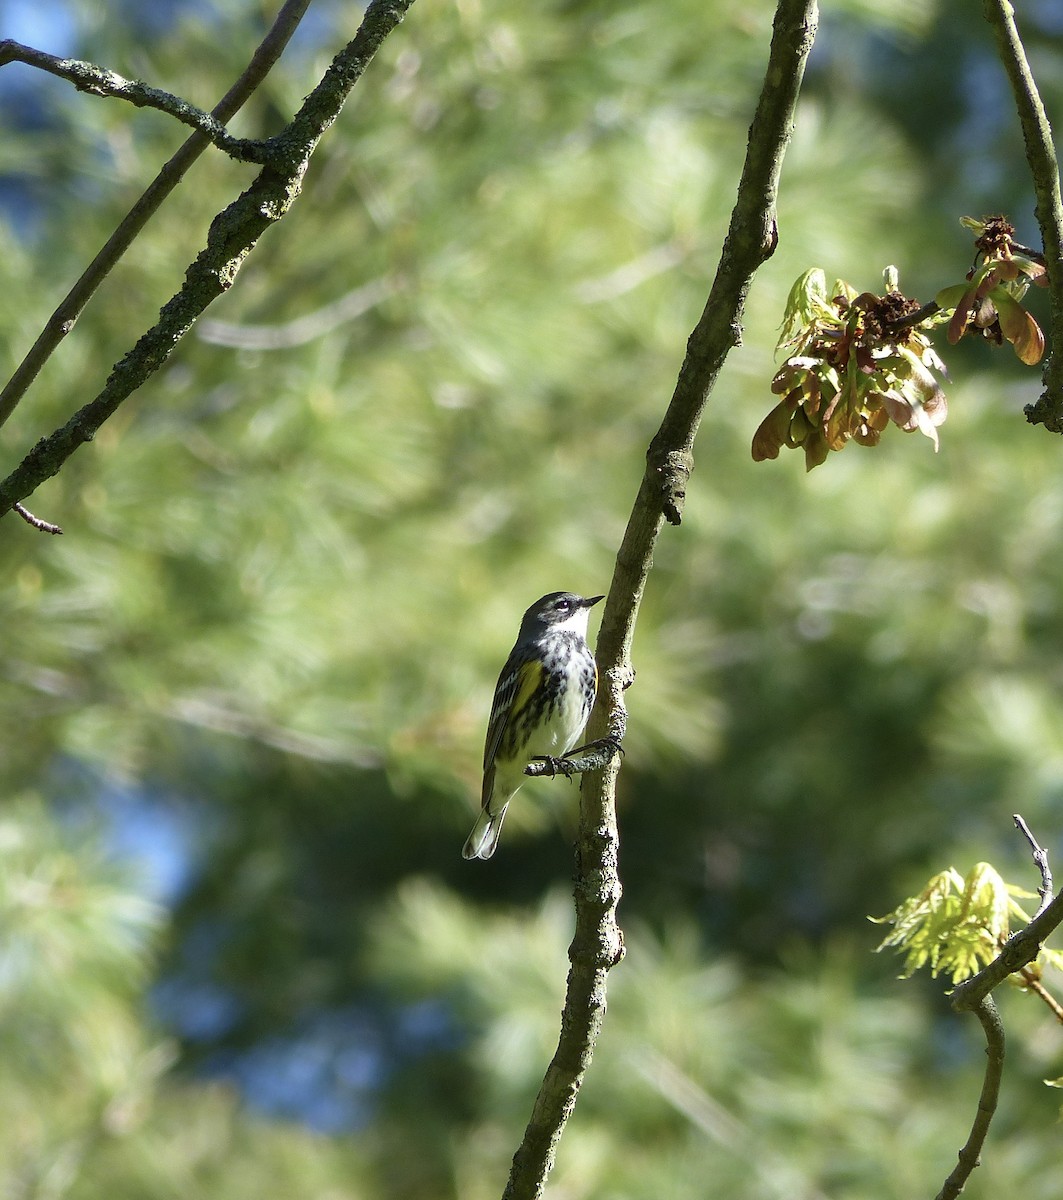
(543, 698)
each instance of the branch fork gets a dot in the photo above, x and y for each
(973, 995)
(99, 81)
(233, 235)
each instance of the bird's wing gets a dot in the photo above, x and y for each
(516, 685)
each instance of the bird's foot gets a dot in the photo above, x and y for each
(607, 743)
(555, 766)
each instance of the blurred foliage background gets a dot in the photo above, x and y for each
(243, 697)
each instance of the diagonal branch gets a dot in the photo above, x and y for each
(597, 944)
(232, 236)
(1020, 949)
(98, 81)
(36, 522)
(65, 316)
(1044, 170)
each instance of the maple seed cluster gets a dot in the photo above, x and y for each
(856, 362)
(988, 303)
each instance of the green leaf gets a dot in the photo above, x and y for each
(951, 296)
(956, 924)
(807, 302)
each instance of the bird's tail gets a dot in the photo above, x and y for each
(484, 837)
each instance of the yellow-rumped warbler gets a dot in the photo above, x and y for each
(542, 701)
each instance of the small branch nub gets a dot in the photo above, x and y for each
(36, 522)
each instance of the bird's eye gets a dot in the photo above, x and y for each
(563, 605)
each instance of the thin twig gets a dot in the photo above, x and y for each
(1044, 169)
(98, 81)
(597, 944)
(591, 757)
(1032, 983)
(986, 1012)
(915, 318)
(233, 234)
(36, 522)
(1040, 858)
(65, 316)
(1031, 979)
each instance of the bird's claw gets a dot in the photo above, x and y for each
(556, 766)
(609, 742)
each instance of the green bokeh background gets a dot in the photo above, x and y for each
(243, 696)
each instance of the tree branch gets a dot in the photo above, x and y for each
(1040, 861)
(65, 316)
(597, 944)
(98, 81)
(986, 1012)
(36, 522)
(232, 236)
(1023, 946)
(591, 757)
(973, 995)
(1044, 169)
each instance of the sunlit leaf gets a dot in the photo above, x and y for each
(1019, 328)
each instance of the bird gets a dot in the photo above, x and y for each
(542, 700)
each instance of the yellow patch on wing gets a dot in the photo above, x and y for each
(513, 694)
(528, 680)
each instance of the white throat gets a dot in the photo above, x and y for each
(574, 623)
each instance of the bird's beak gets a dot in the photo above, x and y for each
(591, 601)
